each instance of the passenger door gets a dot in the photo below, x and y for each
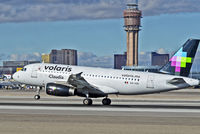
(150, 81)
(34, 71)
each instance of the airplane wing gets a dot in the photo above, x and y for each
(77, 81)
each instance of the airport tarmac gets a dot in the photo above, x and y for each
(173, 112)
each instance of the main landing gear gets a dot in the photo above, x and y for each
(87, 101)
(105, 101)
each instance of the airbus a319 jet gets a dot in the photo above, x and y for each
(91, 82)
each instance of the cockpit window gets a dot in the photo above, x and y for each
(24, 69)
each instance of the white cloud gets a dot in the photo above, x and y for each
(54, 10)
(92, 60)
(2, 56)
(161, 51)
(156, 7)
(21, 57)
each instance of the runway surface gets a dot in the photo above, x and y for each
(175, 113)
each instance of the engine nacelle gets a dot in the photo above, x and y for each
(59, 90)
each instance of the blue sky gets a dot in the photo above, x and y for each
(28, 29)
(84, 35)
(102, 37)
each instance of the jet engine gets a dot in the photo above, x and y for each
(59, 90)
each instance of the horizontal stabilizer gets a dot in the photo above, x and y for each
(178, 82)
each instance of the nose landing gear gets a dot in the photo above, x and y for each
(37, 96)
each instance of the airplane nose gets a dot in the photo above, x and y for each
(15, 76)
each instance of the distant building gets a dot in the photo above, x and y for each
(46, 58)
(64, 56)
(119, 60)
(10, 67)
(159, 59)
(6, 70)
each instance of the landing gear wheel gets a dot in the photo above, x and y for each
(106, 101)
(36, 97)
(87, 101)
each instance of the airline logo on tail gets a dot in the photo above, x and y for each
(179, 60)
(181, 63)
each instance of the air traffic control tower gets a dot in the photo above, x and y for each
(132, 19)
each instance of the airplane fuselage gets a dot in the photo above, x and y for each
(109, 81)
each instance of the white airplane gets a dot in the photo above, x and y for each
(90, 82)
